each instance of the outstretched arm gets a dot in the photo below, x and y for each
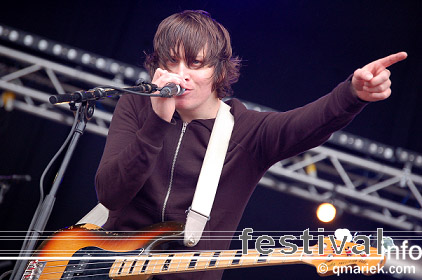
(372, 82)
(303, 128)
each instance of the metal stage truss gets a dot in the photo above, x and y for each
(359, 176)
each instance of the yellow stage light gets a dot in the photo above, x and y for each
(326, 212)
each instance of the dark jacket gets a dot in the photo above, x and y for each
(139, 160)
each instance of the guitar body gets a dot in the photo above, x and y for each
(86, 241)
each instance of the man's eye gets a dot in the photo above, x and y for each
(172, 59)
(197, 63)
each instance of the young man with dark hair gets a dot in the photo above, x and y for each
(155, 147)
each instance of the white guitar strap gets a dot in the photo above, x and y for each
(206, 188)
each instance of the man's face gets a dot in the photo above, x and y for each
(198, 96)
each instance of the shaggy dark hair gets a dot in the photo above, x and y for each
(192, 32)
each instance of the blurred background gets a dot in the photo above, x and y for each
(293, 52)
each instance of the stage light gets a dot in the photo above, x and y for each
(28, 40)
(7, 100)
(388, 153)
(358, 144)
(404, 156)
(143, 75)
(129, 72)
(42, 45)
(100, 63)
(418, 160)
(13, 35)
(373, 148)
(326, 212)
(86, 58)
(57, 49)
(71, 54)
(343, 138)
(410, 157)
(114, 67)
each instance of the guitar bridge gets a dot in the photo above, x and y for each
(33, 270)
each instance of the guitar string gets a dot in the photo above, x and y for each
(95, 250)
(406, 249)
(153, 271)
(125, 235)
(209, 231)
(398, 251)
(230, 254)
(189, 255)
(253, 238)
(161, 253)
(405, 252)
(146, 238)
(65, 253)
(129, 253)
(1, 251)
(149, 272)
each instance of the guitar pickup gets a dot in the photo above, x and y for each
(77, 269)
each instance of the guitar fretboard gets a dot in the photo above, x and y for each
(128, 268)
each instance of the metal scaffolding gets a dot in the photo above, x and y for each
(359, 186)
(383, 192)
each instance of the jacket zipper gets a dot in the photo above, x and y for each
(185, 124)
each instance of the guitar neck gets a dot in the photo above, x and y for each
(154, 264)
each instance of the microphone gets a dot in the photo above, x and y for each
(171, 89)
(100, 93)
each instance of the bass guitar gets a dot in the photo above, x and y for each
(87, 252)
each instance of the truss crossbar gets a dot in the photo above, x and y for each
(389, 191)
(59, 113)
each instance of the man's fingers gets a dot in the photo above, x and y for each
(163, 77)
(391, 59)
(372, 82)
(376, 96)
(379, 79)
(379, 88)
(362, 75)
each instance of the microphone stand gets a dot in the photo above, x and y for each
(41, 217)
(84, 113)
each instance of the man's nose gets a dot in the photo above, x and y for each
(183, 70)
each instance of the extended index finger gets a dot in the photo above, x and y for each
(391, 59)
